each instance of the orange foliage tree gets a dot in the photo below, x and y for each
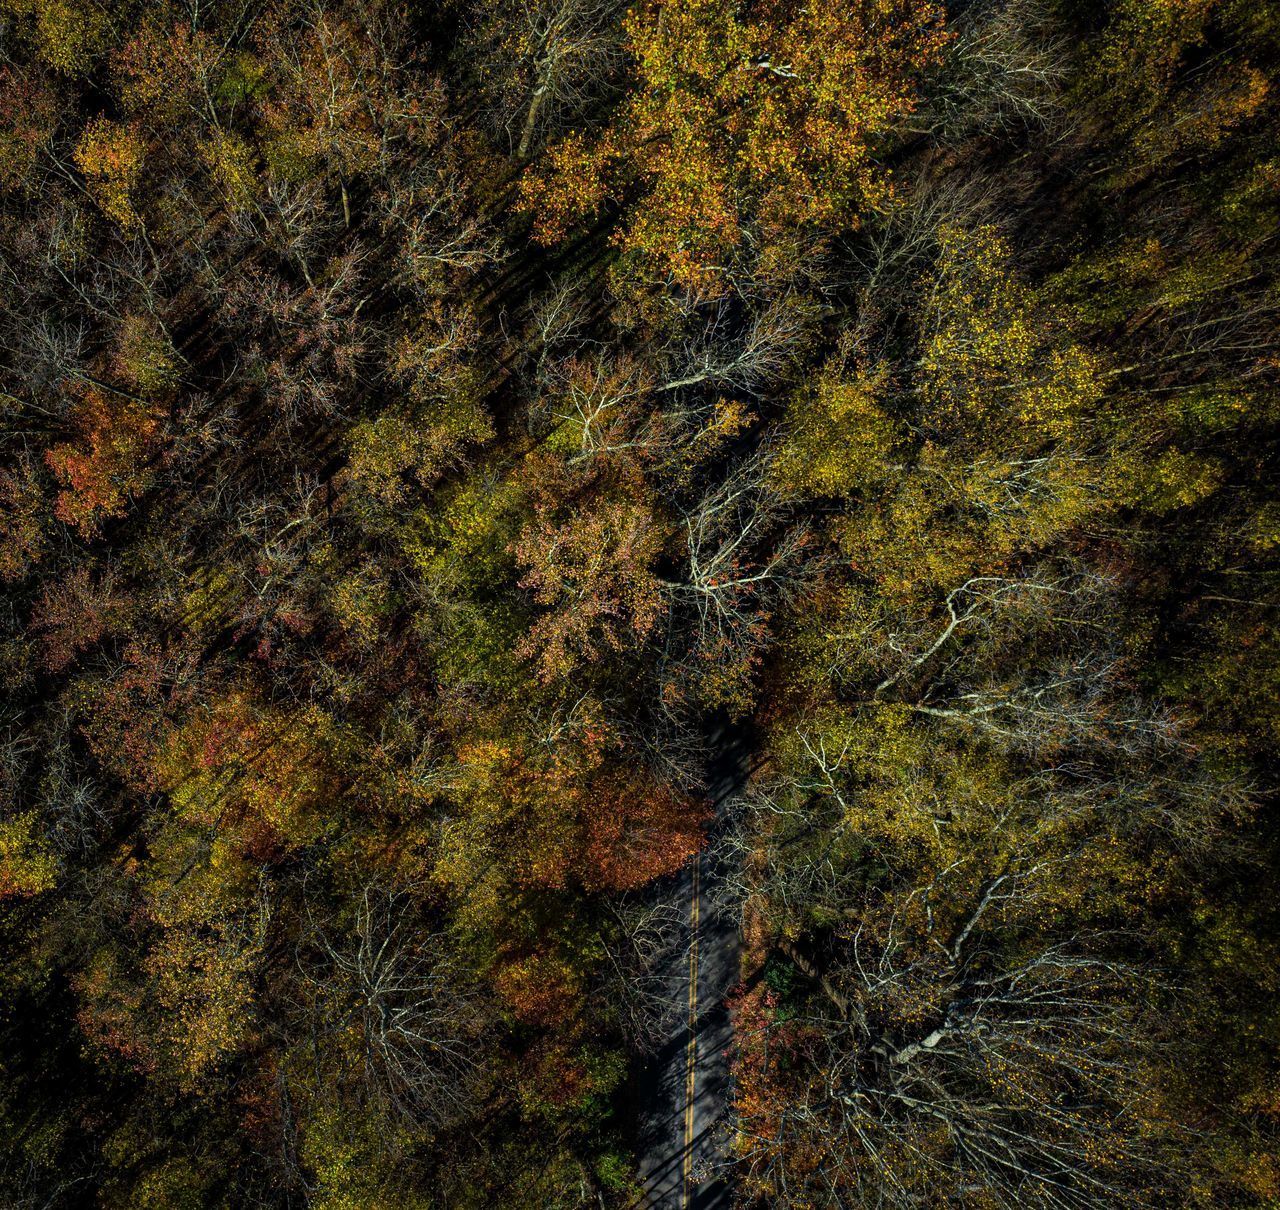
(111, 155)
(107, 464)
(261, 773)
(589, 563)
(566, 808)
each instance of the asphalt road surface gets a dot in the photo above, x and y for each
(683, 1126)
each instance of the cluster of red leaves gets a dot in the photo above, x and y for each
(74, 613)
(577, 811)
(106, 464)
(130, 713)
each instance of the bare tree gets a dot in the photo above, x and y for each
(973, 603)
(1004, 71)
(599, 398)
(309, 343)
(645, 943)
(425, 206)
(1071, 704)
(730, 351)
(411, 1004)
(958, 1056)
(558, 318)
(543, 64)
(742, 555)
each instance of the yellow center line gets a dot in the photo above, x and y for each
(691, 1054)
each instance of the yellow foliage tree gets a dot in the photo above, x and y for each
(27, 866)
(110, 155)
(735, 121)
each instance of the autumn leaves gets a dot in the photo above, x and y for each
(739, 128)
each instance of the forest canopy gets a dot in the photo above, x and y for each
(436, 438)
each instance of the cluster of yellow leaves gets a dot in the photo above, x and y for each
(22, 513)
(838, 438)
(572, 185)
(186, 1006)
(202, 979)
(1006, 404)
(1172, 479)
(994, 360)
(230, 162)
(442, 416)
(144, 357)
(69, 35)
(1161, 100)
(111, 155)
(27, 865)
(769, 119)
(384, 452)
(260, 774)
(1143, 46)
(913, 801)
(558, 809)
(347, 1154)
(465, 541)
(359, 600)
(1200, 120)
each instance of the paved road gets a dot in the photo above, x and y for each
(685, 1085)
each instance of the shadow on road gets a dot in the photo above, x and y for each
(682, 1144)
